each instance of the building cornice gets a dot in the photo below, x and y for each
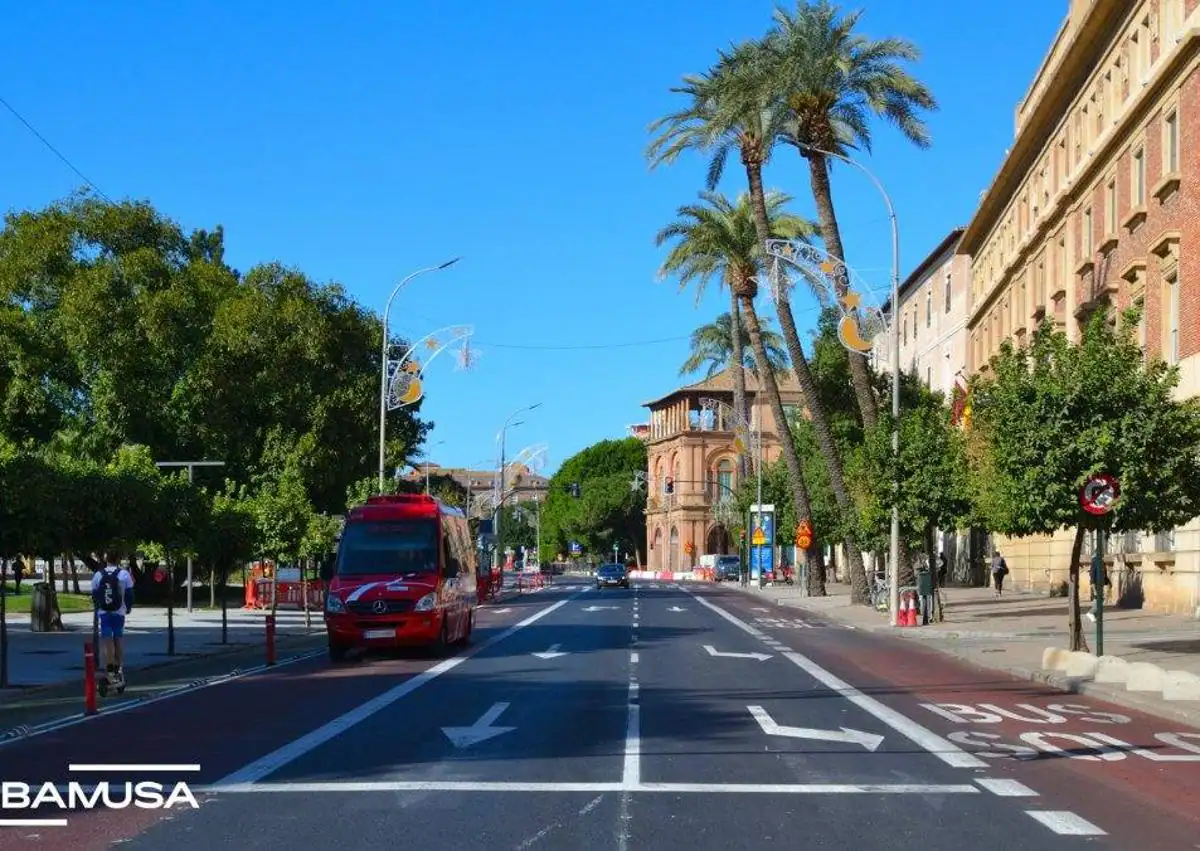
(1092, 39)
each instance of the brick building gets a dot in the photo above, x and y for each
(1097, 207)
(692, 467)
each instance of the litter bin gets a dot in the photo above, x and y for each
(43, 609)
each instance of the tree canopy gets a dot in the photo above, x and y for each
(1053, 414)
(608, 509)
(127, 341)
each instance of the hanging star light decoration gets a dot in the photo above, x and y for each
(466, 358)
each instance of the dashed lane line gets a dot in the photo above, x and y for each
(1065, 823)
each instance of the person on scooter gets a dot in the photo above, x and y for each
(112, 596)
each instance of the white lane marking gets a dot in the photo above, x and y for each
(1006, 788)
(33, 822)
(591, 805)
(633, 658)
(141, 768)
(940, 747)
(1065, 823)
(360, 786)
(292, 751)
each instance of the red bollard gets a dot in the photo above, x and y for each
(89, 678)
(270, 639)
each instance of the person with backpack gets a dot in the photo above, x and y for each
(112, 595)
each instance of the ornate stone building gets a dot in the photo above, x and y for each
(693, 467)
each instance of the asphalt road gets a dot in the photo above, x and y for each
(664, 717)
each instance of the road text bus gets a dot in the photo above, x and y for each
(404, 575)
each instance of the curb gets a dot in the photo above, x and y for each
(14, 693)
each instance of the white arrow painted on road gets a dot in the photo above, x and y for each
(676, 609)
(870, 741)
(599, 608)
(712, 651)
(498, 611)
(761, 609)
(480, 731)
(551, 653)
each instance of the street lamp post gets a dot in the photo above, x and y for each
(384, 360)
(191, 465)
(894, 568)
(500, 495)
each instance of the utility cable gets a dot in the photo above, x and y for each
(54, 150)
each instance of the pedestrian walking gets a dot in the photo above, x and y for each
(999, 571)
(112, 595)
(18, 572)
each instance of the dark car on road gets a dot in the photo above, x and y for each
(612, 576)
(728, 568)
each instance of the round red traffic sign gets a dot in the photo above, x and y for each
(1099, 494)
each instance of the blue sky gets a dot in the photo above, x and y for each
(359, 146)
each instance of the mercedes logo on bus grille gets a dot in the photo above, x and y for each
(380, 607)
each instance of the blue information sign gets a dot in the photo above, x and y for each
(762, 540)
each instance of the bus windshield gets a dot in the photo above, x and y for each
(389, 547)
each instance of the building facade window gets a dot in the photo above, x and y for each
(1173, 319)
(1139, 177)
(948, 292)
(1140, 304)
(724, 480)
(1171, 144)
(1110, 208)
(929, 307)
(1087, 233)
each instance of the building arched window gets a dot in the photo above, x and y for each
(724, 480)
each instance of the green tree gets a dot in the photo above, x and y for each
(829, 82)
(1055, 413)
(607, 511)
(932, 472)
(713, 346)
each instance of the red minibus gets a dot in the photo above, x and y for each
(404, 575)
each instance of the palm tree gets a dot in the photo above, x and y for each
(716, 236)
(707, 123)
(831, 82)
(732, 108)
(712, 350)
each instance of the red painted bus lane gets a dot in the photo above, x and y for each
(1134, 775)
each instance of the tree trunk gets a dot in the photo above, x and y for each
(738, 366)
(859, 592)
(1074, 622)
(816, 577)
(812, 556)
(831, 236)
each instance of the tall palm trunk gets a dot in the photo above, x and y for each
(808, 389)
(859, 592)
(813, 556)
(831, 235)
(738, 365)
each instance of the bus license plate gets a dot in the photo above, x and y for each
(379, 633)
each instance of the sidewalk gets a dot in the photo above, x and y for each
(1014, 633)
(46, 658)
